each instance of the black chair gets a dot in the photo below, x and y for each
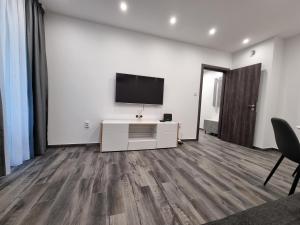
(288, 144)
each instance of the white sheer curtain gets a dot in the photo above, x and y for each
(13, 80)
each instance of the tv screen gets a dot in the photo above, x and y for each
(139, 89)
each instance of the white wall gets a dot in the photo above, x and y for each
(208, 111)
(83, 58)
(269, 54)
(290, 88)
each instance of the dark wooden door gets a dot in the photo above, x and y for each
(240, 95)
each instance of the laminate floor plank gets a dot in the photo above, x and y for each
(192, 184)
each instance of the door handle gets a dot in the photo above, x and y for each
(252, 107)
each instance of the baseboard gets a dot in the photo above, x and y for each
(73, 145)
(189, 140)
(265, 149)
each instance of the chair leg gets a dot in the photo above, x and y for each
(294, 185)
(274, 169)
(296, 170)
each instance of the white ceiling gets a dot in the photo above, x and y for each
(234, 19)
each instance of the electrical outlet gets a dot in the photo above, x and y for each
(87, 124)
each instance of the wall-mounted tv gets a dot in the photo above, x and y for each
(139, 89)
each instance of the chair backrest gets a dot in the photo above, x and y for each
(286, 139)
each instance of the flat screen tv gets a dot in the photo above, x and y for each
(139, 89)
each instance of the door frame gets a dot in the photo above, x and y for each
(225, 72)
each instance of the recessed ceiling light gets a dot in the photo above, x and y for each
(246, 41)
(173, 20)
(212, 31)
(123, 6)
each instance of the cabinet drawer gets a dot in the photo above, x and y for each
(142, 145)
(167, 127)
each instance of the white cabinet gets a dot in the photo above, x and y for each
(114, 137)
(124, 135)
(167, 135)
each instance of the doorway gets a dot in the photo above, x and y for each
(210, 99)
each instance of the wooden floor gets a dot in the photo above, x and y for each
(192, 184)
